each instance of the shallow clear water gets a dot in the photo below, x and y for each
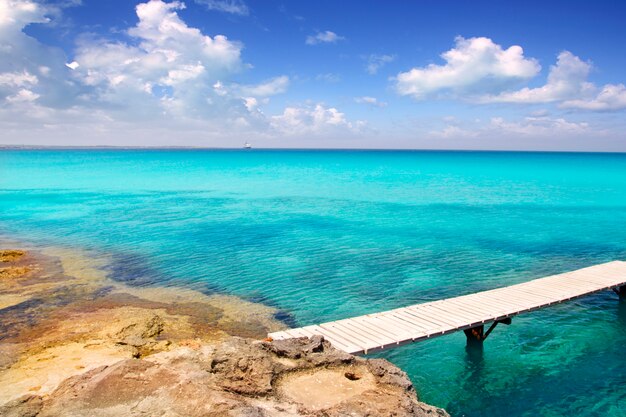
(324, 235)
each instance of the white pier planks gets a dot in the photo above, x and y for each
(392, 328)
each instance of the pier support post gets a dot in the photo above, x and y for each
(475, 335)
(621, 291)
(478, 334)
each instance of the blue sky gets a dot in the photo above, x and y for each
(362, 74)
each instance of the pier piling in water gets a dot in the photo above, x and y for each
(475, 335)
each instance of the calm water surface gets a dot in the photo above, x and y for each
(323, 235)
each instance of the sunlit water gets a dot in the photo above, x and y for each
(323, 235)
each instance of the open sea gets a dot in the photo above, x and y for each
(324, 235)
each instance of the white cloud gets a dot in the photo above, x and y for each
(567, 79)
(165, 78)
(168, 77)
(170, 59)
(473, 65)
(271, 87)
(476, 67)
(18, 79)
(528, 127)
(219, 89)
(181, 74)
(24, 60)
(328, 77)
(251, 103)
(310, 119)
(323, 37)
(372, 101)
(23, 95)
(539, 126)
(227, 6)
(165, 82)
(454, 132)
(19, 13)
(31, 74)
(376, 62)
(611, 97)
(568, 86)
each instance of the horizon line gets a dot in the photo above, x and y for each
(226, 148)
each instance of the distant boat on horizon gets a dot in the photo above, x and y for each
(247, 145)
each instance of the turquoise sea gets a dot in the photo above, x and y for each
(323, 235)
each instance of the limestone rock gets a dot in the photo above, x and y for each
(26, 406)
(238, 377)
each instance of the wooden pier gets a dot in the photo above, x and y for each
(388, 329)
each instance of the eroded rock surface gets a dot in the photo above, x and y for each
(238, 377)
(75, 343)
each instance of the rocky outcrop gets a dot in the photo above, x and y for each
(66, 317)
(238, 377)
(75, 343)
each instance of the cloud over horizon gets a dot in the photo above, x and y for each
(166, 73)
(213, 71)
(310, 119)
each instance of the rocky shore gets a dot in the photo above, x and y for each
(75, 343)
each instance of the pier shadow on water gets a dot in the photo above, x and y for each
(621, 312)
(475, 356)
(474, 365)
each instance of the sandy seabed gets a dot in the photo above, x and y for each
(61, 315)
